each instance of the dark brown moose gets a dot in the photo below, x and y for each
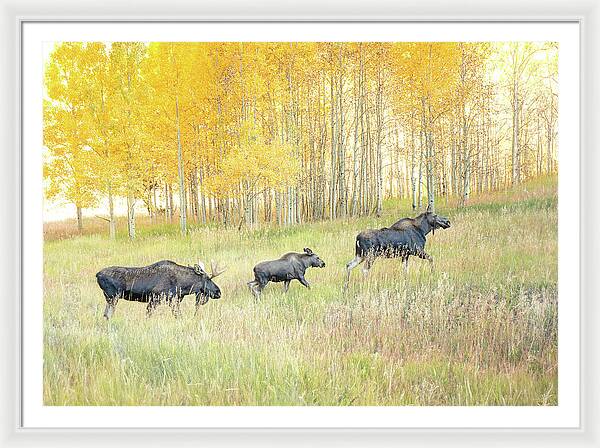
(290, 266)
(404, 238)
(162, 280)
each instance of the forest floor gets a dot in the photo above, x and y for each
(481, 329)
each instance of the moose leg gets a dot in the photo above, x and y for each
(425, 256)
(201, 299)
(351, 265)
(368, 264)
(261, 280)
(256, 287)
(111, 303)
(286, 285)
(176, 306)
(253, 285)
(405, 262)
(302, 280)
(258, 290)
(152, 304)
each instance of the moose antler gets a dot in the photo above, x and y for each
(215, 270)
(199, 268)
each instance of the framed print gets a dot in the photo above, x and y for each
(319, 226)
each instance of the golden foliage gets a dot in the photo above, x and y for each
(260, 116)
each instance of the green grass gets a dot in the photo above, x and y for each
(481, 329)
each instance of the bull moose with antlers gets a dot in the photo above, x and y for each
(162, 280)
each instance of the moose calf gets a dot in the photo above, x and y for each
(290, 266)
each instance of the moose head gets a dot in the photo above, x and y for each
(208, 289)
(435, 221)
(314, 259)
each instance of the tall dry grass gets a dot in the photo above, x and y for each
(481, 329)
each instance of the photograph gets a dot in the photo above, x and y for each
(301, 223)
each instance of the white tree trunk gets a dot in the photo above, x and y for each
(515, 135)
(131, 216)
(112, 227)
(182, 202)
(79, 219)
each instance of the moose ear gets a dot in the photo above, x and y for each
(307, 251)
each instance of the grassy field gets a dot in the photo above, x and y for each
(481, 329)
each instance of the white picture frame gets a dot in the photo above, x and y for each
(12, 430)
